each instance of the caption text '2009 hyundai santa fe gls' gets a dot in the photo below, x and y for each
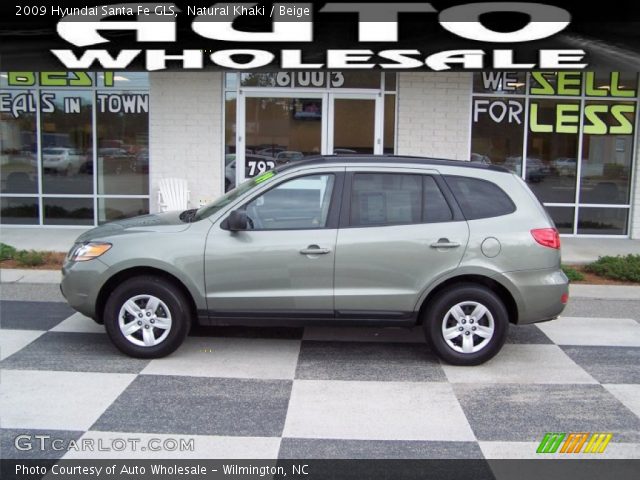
(461, 249)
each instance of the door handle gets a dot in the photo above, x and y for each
(445, 243)
(315, 250)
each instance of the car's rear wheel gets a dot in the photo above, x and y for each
(147, 317)
(466, 325)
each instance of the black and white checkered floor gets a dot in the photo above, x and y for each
(316, 392)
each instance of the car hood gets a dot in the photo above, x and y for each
(168, 222)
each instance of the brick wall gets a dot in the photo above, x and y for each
(434, 114)
(185, 132)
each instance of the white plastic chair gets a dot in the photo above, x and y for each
(173, 194)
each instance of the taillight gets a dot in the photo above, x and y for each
(564, 299)
(547, 237)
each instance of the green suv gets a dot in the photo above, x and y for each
(459, 248)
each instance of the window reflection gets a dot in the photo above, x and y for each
(607, 156)
(498, 129)
(552, 150)
(18, 142)
(111, 209)
(123, 143)
(563, 217)
(19, 210)
(68, 211)
(280, 131)
(66, 140)
(603, 221)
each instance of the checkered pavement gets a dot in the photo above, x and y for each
(315, 392)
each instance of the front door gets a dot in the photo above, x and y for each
(277, 129)
(283, 264)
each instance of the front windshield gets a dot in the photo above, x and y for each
(232, 195)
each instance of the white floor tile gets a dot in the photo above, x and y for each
(57, 400)
(375, 411)
(620, 332)
(522, 364)
(12, 341)
(629, 395)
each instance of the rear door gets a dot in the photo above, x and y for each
(399, 230)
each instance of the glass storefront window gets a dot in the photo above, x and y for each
(563, 218)
(122, 121)
(66, 139)
(230, 105)
(390, 82)
(611, 84)
(68, 211)
(499, 83)
(123, 80)
(111, 209)
(579, 143)
(19, 210)
(607, 153)
(360, 79)
(258, 80)
(48, 175)
(354, 125)
(389, 124)
(552, 150)
(603, 221)
(497, 133)
(18, 142)
(282, 130)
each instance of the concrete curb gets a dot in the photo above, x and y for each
(605, 292)
(18, 275)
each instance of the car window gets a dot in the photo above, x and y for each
(232, 195)
(385, 199)
(435, 207)
(480, 198)
(300, 203)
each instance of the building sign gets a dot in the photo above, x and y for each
(20, 103)
(60, 79)
(310, 79)
(614, 117)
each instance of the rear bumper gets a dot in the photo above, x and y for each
(539, 294)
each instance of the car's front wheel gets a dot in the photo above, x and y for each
(466, 325)
(147, 317)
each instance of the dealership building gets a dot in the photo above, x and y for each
(79, 149)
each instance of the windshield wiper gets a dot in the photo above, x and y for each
(188, 215)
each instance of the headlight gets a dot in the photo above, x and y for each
(88, 251)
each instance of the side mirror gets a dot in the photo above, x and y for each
(237, 221)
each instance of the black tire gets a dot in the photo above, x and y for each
(438, 309)
(173, 298)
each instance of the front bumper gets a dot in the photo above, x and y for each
(81, 284)
(539, 295)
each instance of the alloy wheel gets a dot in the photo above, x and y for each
(144, 320)
(468, 327)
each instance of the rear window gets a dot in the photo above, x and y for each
(480, 198)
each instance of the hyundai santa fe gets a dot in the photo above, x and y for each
(461, 249)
